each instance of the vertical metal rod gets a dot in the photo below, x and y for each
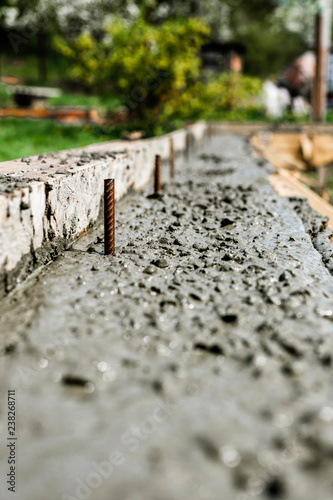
(187, 145)
(157, 174)
(172, 159)
(319, 84)
(210, 131)
(109, 216)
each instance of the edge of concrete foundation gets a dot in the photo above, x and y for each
(48, 201)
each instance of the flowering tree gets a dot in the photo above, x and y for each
(264, 26)
(143, 64)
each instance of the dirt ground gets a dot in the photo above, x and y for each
(194, 364)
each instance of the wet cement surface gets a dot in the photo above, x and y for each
(196, 363)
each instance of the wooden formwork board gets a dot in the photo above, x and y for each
(285, 184)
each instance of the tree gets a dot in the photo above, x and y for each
(146, 66)
(263, 26)
(33, 23)
(274, 31)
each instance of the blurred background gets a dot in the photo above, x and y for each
(73, 73)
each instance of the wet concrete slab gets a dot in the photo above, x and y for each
(195, 363)
(48, 201)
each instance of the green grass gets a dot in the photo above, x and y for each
(21, 137)
(5, 97)
(329, 116)
(102, 102)
(26, 68)
(250, 114)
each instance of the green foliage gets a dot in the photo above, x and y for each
(156, 72)
(26, 68)
(5, 97)
(102, 102)
(227, 96)
(143, 64)
(290, 117)
(270, 49)
(274, 31)
(329, 116)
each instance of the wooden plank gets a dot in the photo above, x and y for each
(286, 184)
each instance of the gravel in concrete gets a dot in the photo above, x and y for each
(194, 364)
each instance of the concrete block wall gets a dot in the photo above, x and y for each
(47, 201)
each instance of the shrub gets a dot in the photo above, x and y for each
(227, 95)
(147, 66)
(155, 71)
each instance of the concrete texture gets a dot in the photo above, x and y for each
(195, 363)
(55, 197)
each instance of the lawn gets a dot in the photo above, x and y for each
(101, 102)
(5, 97)
(26, 68)
(21, 137)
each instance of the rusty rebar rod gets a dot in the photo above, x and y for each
(172, 159)
(210, 131)
(109, 216)
(157, 174)
(187, 145)
(320, 85)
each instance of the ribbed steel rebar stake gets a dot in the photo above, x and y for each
(210, 131)
(157, 174)
(187, 145)
(172, 159)
(109, 230)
